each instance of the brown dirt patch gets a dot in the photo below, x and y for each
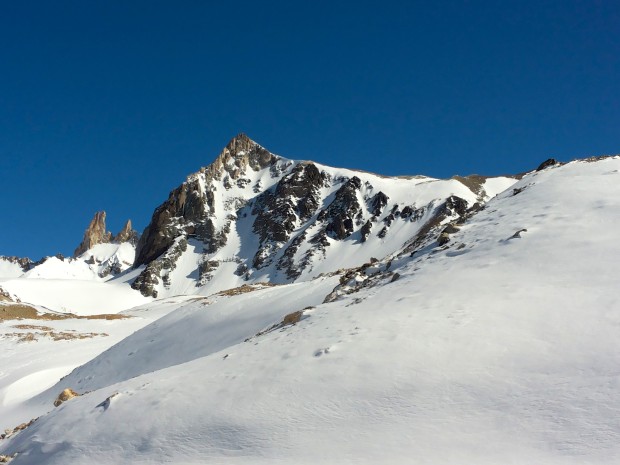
(5, 296)
(292, 318)
(474, 183)
(18, 312)
(27, 312)
(37, 327)
(102, 316)
(34, 336)
(288, 320)
(245, 288)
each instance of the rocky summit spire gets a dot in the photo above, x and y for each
(238, 154)
(127, 234)
(190, 208)
(94, 234)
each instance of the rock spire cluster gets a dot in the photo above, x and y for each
(96, 234)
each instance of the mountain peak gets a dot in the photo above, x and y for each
(239, 153)
(127, 234)
(94, 234)
(240, 139)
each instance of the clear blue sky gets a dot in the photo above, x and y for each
(108, 105)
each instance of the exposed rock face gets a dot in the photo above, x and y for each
(295, 200)
(11, 432)
(256, 216)
(127, 234)
(190, 211)
(378, 203)
(190, 207)
(159, 269)
(547, 163)
(96, 234)
(344, 210)
(64, 396)
(240, 153)
(440, 224)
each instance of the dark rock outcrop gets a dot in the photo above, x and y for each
(454, 209)
(365, 231)
(547, 164)
(294, 200)
(342, 212)
(378, 203)
(159, 268)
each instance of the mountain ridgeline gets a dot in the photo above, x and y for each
(252, 216)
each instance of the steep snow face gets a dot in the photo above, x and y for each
(253, 216)
(500, 345)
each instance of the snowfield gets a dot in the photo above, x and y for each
(499, 347)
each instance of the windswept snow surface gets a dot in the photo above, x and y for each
(74, 284)
(55, 268)
(28, 368)
(494, 349)
(180, 336)
(9, 269)
(75, 296)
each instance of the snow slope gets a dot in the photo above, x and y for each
(495, 348)
(28, 367)
(77, 285)
(9, 269)
(80, 297)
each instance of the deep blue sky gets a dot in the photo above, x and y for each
(108, 105)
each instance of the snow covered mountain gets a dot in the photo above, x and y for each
(79, 284)
(252, 216)
(332, 316)
(100, 256)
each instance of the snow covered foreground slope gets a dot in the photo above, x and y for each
(501, 346)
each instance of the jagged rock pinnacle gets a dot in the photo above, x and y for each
(127, 234)
(94, 234)
(239, 153)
